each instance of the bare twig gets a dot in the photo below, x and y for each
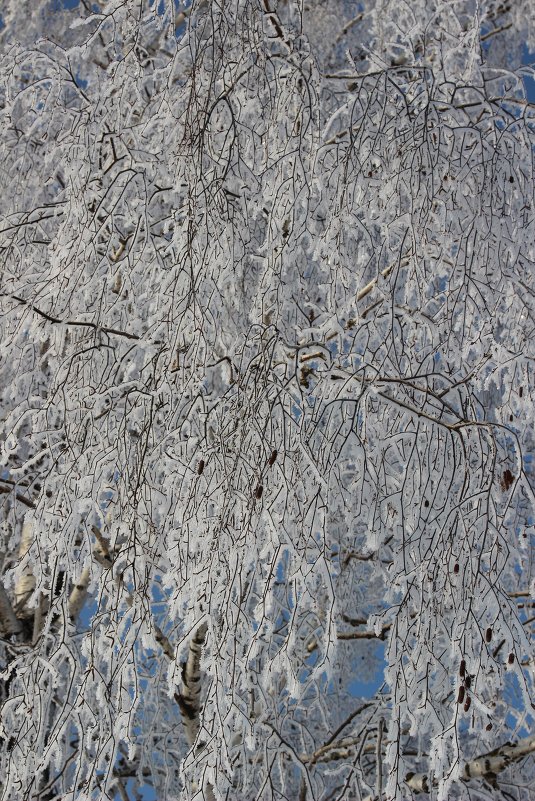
(72, 323)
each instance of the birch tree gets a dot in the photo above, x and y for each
(266, 370)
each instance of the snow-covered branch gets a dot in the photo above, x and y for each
(266, 384)
(487, 766)
(189, 696)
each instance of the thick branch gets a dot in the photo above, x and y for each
(332, 743)
(189, 698)
(25, 584)
(9, 622)
(22, 498)
(485, 766)
(78, 593)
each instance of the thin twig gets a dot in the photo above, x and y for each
(72, 323)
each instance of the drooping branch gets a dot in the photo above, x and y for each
(104, 556)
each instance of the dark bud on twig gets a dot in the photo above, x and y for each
(462, 668)
(488, 635)
(511, 658)
(200, 467)
(467, 704)
(460, 697)
(507, 480)
(456, 567)
(271, 460)
(258, 491)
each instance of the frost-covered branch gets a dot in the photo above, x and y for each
(487, 766)
(189, 696)
(266, 387)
